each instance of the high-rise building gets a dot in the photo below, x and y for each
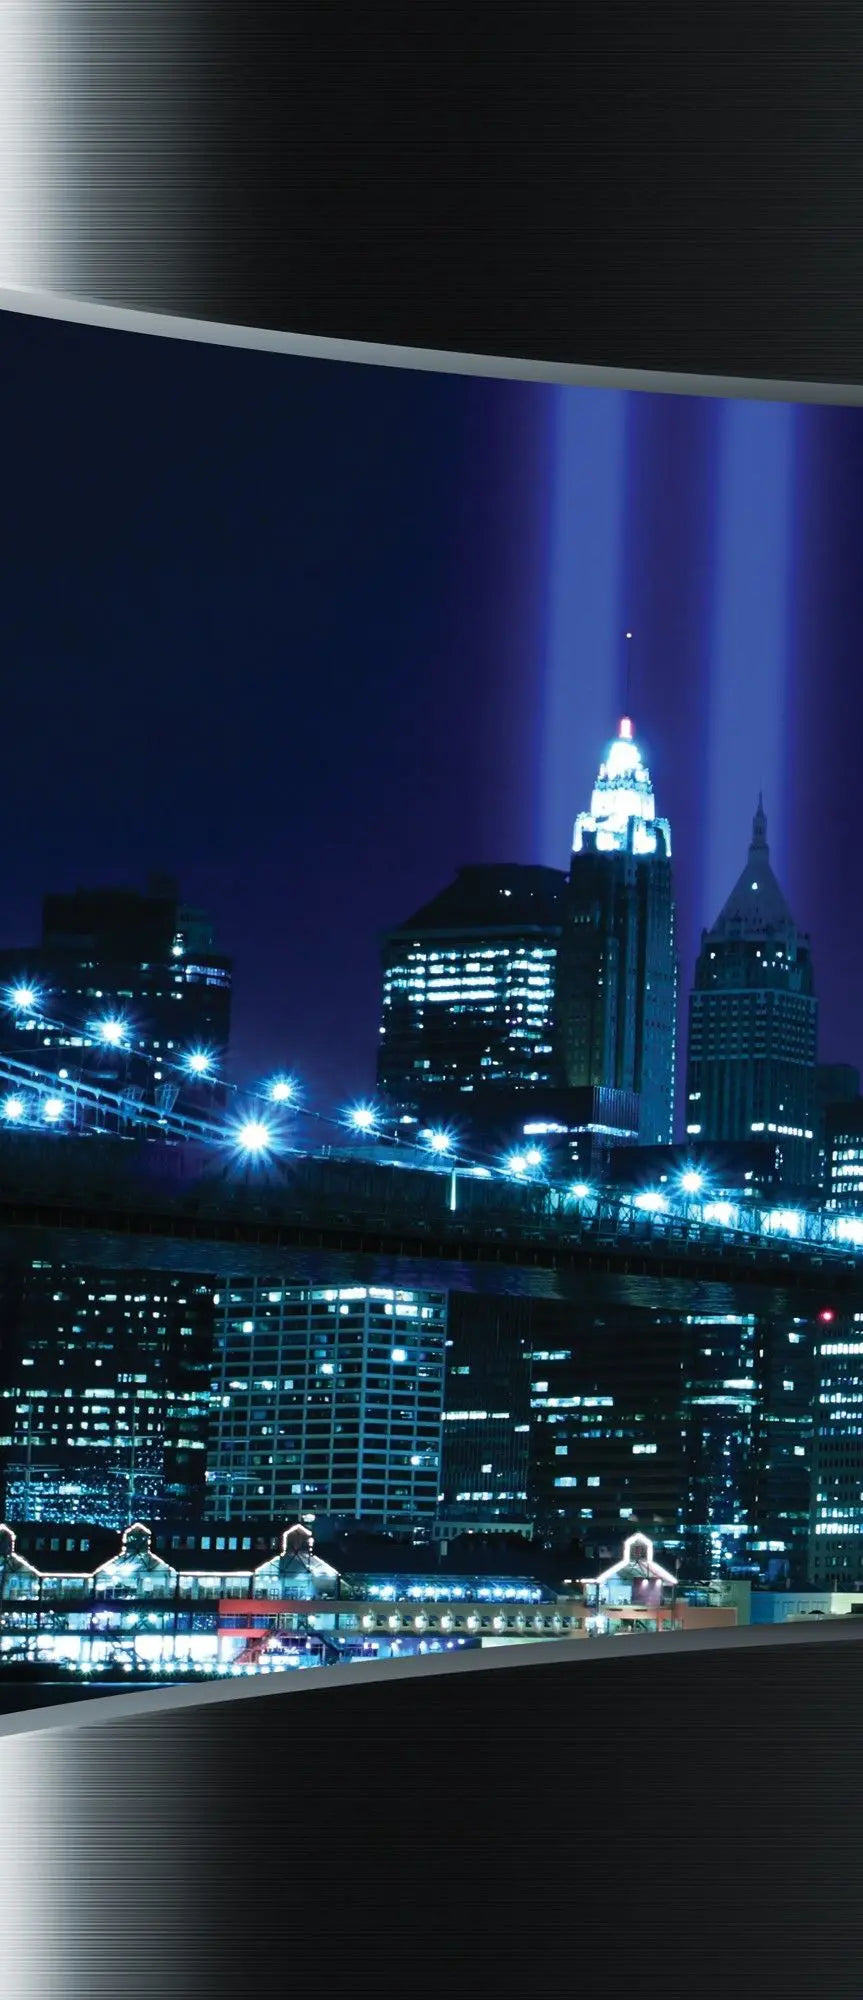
(617, 968)
(468, 990)
(123, 990)
(747, 1418)
(326, 1401)
(843, 1155)
(753, 1023)
(836, 1526)
(104, 1393)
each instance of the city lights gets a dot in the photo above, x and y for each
(516, 1164)
(691, 1182)
(254, 1136)
(439, 1142)
(13, 1109)
(112, 1032)
(52, 1109)
(281, 1090)
(580, 1191)
(198, 1063)
(23, 997)
(533, 1157)
(651, 1202)
(362, 1118)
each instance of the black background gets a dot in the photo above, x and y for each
(654, 188)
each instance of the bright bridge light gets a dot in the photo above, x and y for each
(362, 1118)
(652, 1203)
(281, 1090)
(440, 1142)
(52, 1109)
(254, 1136)
(23, 997)
(721, 1212)
(13, 1109)
(111, 1032)
(516, 1164)
(199, 1063)
(534, 1157)
(580, 1191)
(691, 1182)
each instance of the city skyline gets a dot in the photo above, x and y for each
(286, 597)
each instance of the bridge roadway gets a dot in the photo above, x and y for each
(284, 1232)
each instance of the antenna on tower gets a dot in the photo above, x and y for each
(628, 679)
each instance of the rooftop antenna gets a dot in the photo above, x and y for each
(627, 701)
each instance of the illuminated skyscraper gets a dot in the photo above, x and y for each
(327, 1401)
(753, 1023)
(617, 966)
(468, 999)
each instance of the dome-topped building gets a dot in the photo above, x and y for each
(753, 1022)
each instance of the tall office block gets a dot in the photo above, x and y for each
(327, 1402)
(617, 969)
(753, 1023)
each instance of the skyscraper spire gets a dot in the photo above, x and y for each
(759, 830)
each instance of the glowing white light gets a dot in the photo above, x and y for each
(111, 1032)
(199, 1063)
(721, 1212)
(691, 1182)
(254, 1136)
(23, 997)
(534, 1157)
(440, 1142)
(652, 1203)
(581, 1191)
(362, 1118)
(516, 1164)
(13, 1109)
(52, 1109)
(281, 1090)
(399, 1354)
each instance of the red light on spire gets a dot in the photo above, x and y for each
(626, 729)
(827, 1318)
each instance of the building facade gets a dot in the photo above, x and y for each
(326, 1401)
(468, 991)
(124, 991)
(836, 1526)
(753, 1024)
(617, 972)
(104, 1393)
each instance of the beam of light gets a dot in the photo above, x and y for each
(585, 622)
(23, 997)
(652, 1203)
(749, 652)
(13, 1109)
(254, 1137)
(362, 1118)
(691, 1182)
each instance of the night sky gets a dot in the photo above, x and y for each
(310, 636)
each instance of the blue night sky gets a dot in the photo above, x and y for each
(310, 636)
